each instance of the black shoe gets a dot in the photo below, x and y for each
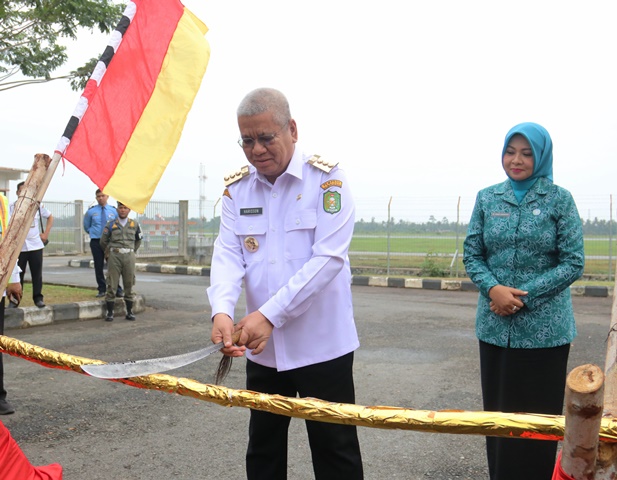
(100, 295)
(130, 316)
(119, 294)
(109, 316)
(6, 408)
(40, 304)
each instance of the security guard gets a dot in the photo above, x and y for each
(120, 240)
(95, 220)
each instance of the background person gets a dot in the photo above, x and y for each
(32, 250)
(120, 239)
(13, 290)
(524, 248)
(285, 231)
(95, 220)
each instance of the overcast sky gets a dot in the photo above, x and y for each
(413, 98)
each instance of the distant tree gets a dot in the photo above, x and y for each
(30, 31)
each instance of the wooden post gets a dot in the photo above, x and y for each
(26, 206)
(584, 399)
(607, 453)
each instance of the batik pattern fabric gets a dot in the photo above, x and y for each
(535, 246)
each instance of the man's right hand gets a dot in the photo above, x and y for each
(222, 329)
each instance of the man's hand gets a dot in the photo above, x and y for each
(506, 300)
(256, 331)
(222, 328)
(14, 290)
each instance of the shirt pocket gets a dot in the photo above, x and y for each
(252, 234)
(300, 233)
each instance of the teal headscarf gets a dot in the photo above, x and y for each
(542, 149)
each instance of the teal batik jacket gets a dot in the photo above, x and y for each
(536, 246)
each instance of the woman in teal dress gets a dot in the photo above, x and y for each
(523, 250)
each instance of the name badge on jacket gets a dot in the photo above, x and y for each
(252, 211)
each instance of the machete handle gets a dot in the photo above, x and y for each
(235, 337)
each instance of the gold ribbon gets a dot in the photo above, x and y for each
(513, 425)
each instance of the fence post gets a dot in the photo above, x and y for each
(77, 223)
(388, 235)
(183, 229)
(584, 392)
(610, 239)
(458, 222)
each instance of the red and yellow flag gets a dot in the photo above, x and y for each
(130, 116)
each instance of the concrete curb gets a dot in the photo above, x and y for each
(25, 317)
(363, 280)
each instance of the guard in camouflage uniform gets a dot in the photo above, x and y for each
(120, 240)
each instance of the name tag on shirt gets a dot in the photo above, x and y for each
(252, 211)
(499, 214)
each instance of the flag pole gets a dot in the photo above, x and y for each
(27, 204)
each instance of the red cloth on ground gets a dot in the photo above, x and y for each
(15, 466)
(558, 473)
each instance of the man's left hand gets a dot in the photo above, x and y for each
(256, 331)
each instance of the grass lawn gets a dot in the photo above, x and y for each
(58, 294)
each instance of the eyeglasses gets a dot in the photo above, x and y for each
(248, 143)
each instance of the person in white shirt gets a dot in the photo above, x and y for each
(286, 225)
(32, 250)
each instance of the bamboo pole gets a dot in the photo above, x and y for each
(27, 204)
(584, 403)
(607, 455)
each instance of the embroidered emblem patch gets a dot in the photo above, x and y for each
(332, 183)
(226, 193)
(332, 202)
(251, 244)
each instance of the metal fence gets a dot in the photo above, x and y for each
(400, 234)
(67, 233)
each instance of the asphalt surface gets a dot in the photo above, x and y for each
(418, 350)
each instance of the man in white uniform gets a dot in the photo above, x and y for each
(286, 225)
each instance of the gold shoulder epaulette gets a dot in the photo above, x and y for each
(321, 164)
(237, 175)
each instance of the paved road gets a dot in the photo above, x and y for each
(418, 351)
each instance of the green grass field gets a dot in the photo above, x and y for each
(435, 252)
(435, 244)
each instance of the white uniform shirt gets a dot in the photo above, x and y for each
(299, 276)
(33, 239)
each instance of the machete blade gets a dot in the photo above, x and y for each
(137, 368)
